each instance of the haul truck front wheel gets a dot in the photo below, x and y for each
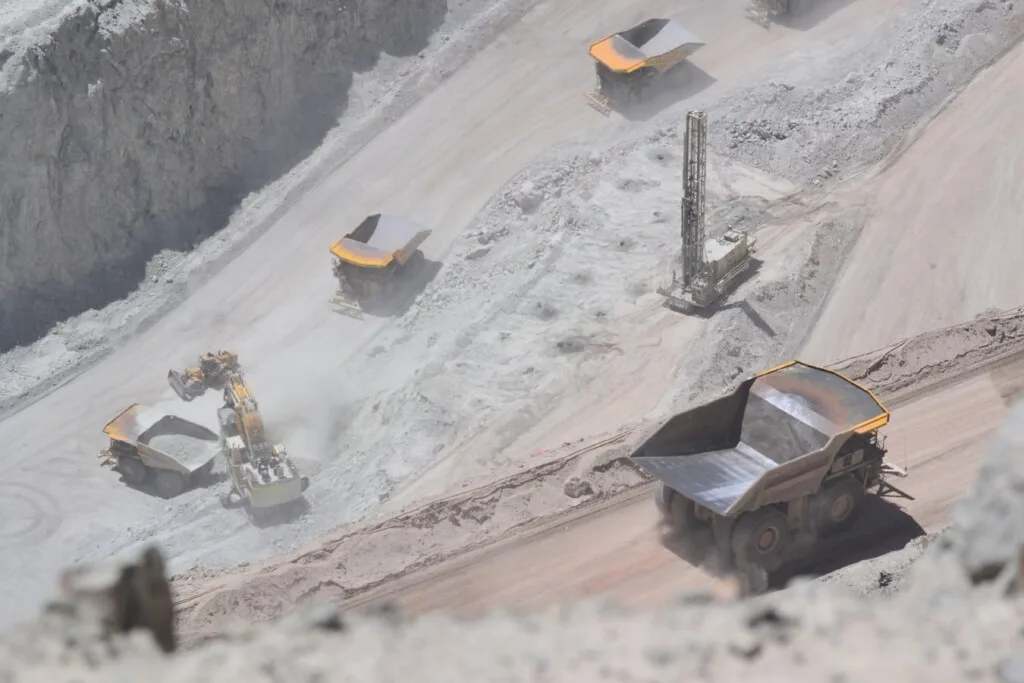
(838, 504)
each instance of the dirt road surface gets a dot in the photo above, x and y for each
(437, 165)
(616, 551)
(943, 236)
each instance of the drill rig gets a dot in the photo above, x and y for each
(709, 266)
(211, 373)
(263, 477)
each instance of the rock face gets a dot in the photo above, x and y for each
(137, 125)
(961, 617)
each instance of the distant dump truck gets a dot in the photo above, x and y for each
(149, 445)
(780, 462)
(370, 260)
(765, 11)
(629, 62)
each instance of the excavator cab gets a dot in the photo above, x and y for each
(370, 259)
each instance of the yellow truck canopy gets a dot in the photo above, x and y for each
(379, 240)
(629, 50)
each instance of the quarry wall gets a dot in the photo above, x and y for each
(132, 126)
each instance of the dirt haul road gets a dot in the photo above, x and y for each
(959, 233)
(437, 165)
(616, 551)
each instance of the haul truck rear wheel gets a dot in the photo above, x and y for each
(169, 484)
(761, 537)
(678, 510)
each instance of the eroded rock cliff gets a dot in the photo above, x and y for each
(131, 126)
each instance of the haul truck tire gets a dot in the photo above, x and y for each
(132, 469)
(761, 537)
(169, 484)
(678, 510)
(838, 505)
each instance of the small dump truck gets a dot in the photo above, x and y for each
(630, 62)
(148, 445)
(780, 462)
(369, 261)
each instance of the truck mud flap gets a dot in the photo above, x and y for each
(599, 103)
(346, 307)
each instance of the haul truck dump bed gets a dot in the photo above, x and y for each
(146, 443)
(628, 61)
(787, 453)
(369, 259)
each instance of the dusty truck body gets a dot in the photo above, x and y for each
(371, 262)
(629, 62)
(148, 444)
(783, 460)
(765, 11)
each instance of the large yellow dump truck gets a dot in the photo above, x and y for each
(370, 259)
(772, 467)
(629, 62)
(148, 445)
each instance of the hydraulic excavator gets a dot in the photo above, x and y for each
(263, 477)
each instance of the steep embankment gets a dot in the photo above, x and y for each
(132, 126)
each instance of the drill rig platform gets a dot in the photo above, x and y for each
(709, 266)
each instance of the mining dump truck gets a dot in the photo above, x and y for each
(211, 373)
(772, 467)
(629, 63)
(764, 12)
(263, 477)
(149, 445)
(370, 261)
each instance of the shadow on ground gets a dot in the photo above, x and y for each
(682, 82)
(727, 302)
(289, 512)
(882, 528)
(407, 287)
(200, 480)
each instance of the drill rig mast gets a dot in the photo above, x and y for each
(708, 265)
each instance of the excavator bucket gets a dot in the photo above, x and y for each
(187, 388)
